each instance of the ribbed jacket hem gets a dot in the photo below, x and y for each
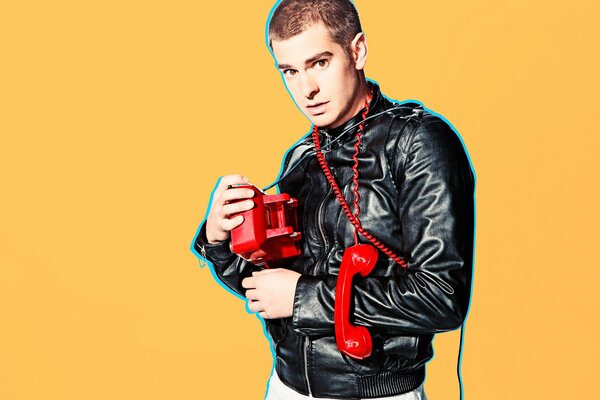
(390, 383)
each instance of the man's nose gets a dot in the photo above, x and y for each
(309, 86)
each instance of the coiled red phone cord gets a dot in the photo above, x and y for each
(338, 193)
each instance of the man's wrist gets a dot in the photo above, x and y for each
(211, 240)
(219, 251)
(207, 239)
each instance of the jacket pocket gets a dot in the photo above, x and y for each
(400, 352)
(389, 354)
(372, 364)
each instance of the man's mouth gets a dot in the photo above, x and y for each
(316, 108)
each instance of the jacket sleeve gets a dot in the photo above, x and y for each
(228, 267)
(436, 211)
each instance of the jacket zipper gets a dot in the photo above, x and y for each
(320, 225)
(326, 243)
(319, 215)
(306, 343)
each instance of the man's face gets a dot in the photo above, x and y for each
(320, 76)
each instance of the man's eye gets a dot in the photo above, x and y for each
(289, 72)
(321, 63)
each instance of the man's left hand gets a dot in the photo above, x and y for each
(271, 292)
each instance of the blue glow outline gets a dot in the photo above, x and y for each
(262, 321)
(463, 325)
(211, 268)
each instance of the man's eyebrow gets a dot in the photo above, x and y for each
(308, 60)
(283, 66)
(317, 56)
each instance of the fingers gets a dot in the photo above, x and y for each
(251, 294)
(237, 207)
(228, 224)
(229, 203)
(263, 292)
(226, 202)
(254, 306)
(248, 283)
(232, 180)
(234, 194)
(224, 195)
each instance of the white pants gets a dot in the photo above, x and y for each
(278, 391)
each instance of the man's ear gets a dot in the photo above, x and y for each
(359, 50)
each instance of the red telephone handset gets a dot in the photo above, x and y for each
(351, 340)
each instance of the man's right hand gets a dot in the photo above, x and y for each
(226, 202)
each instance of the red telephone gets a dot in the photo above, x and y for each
(270, 229)
(354, 341)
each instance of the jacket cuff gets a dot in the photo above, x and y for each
(213, 252)
(313, 304)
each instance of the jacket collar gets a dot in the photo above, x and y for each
(350, 127)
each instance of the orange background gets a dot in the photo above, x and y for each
(117, 118)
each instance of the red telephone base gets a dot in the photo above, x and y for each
(269, 232)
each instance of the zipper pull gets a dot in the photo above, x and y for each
(202, 250)
(326, 136)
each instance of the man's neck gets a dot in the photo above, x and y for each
(363, 92)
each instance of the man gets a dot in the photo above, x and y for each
(407, 180)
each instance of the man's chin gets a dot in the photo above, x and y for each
(321, 121)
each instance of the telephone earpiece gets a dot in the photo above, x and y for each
(354, 341)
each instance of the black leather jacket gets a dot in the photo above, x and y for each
(416, 188)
